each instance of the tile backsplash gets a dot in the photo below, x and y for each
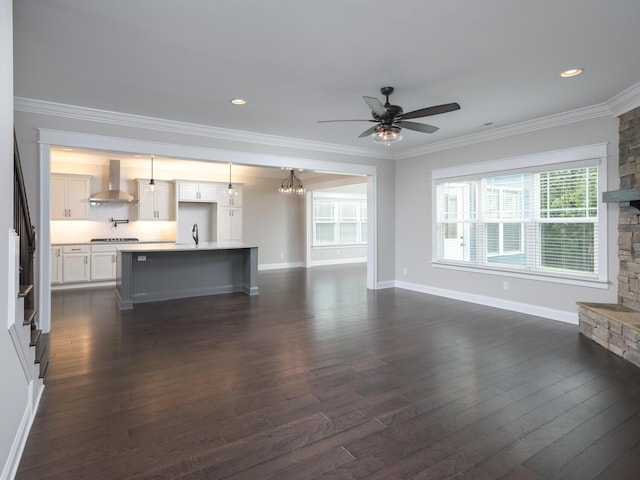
(99, 226)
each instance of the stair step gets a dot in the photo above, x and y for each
(35, 337)
(43, 369)
(24, 290)
(41, 350)
(29, 316)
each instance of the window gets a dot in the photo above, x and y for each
(540, 220)
(339, 220)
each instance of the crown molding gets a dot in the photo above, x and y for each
(616, 106)
(625, 101)
(555, 120)
(42, 107)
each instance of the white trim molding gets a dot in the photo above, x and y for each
(573, 116)
(529, 309)
(208, 154)
(43, 107)
(343, 261)
(279, 266)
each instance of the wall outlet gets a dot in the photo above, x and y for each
(404, 271)
(142, 258)
(281, 254)
(337, 252)
(505, 285)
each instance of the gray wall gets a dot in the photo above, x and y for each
(273, 221)
(14, 400)
(414, 218)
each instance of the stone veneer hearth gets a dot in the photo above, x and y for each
(617, 326)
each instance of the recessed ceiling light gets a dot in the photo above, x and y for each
(238, 101)
(67, 149)
(572, 72)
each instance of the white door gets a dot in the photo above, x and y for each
(454, 232)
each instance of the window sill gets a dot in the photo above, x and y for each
(601, 283)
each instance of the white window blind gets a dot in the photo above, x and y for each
(339, 221)
(531, 221)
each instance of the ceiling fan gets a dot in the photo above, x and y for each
(391, 119)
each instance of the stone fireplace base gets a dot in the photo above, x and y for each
(614, 326)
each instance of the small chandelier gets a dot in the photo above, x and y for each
(386, 135)
(230, 192)
(151, 186)
(291, 184)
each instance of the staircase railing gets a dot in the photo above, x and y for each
(22, 224)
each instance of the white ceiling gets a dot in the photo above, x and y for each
(299, 61)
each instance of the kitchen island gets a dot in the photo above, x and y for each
(149, 273)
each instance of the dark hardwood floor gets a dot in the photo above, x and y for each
(320, 378)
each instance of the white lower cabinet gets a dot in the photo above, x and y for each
(76, 263)
(56, 265)
(103, 262)
(229, 224)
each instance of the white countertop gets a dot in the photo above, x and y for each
(182, 247)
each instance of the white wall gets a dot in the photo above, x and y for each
(414, 221)
(14, 400)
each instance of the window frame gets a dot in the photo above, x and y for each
(359, 220)
(578, 157)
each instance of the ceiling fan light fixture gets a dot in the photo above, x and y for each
(387, 135)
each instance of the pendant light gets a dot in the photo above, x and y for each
(291, 184)
(151, 186)
(230, 192)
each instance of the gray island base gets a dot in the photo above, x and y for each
(149, 273)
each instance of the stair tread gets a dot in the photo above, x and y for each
(40, 354)
(29, 316)
(24, 290)
(43, 369)
(35, 337)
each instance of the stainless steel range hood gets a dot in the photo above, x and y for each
(114, 194)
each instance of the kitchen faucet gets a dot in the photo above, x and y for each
(194, 233)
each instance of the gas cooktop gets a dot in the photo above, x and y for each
(114, 240)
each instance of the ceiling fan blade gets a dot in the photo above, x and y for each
(368, 131)
(435, 110)
(329, 121)
(418, 127)
(376, 106)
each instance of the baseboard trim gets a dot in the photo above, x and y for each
(550, 313)
(17, 448)
(342, 261)
(278, 266)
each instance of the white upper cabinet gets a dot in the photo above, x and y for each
(198, 192)
(156, 205)
(69, 197)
